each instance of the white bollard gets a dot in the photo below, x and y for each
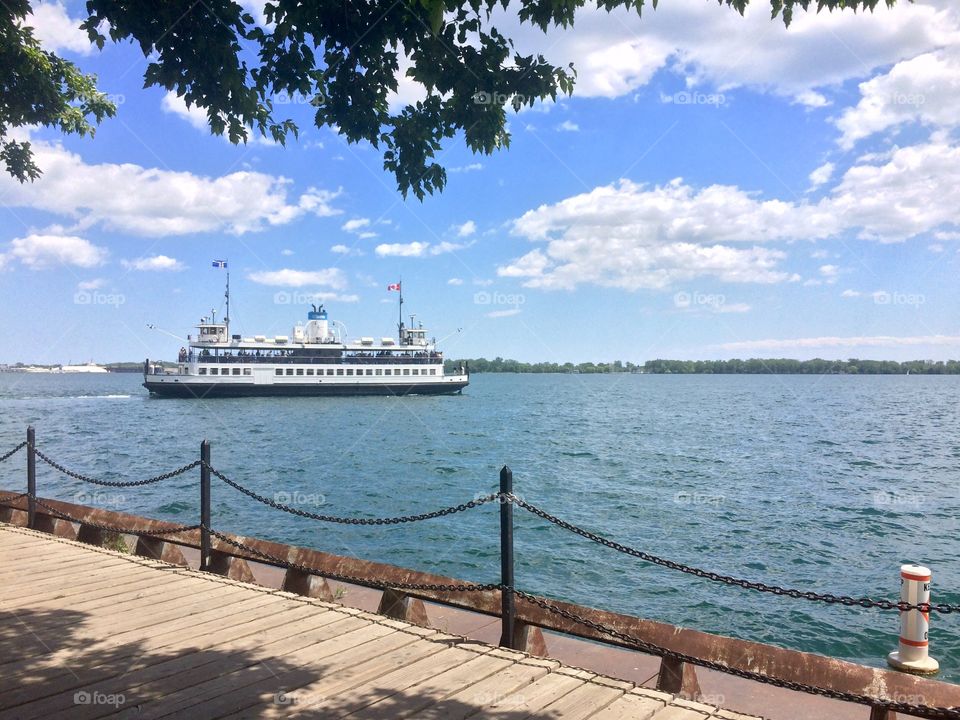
(912, 657)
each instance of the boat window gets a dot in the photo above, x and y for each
(369, 371)
(416, 371)
(349, 371)
(387, 371)
(406, 371)
(329, 371)
(247, 371)
(309, 371)
(279, 371)
(213, 371)
(202, 371)
(433, 371)
(339, 371)
(289, 371)
(299, 371)
(379, 371)
(236, 371)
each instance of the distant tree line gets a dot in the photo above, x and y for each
(752, 366)
(499, 365)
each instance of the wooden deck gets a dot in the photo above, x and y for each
(87, 632)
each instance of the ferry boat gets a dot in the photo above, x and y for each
(314, 360)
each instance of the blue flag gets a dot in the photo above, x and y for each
(219, 263)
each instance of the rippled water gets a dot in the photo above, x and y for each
(821, 483)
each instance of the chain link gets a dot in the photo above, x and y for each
(727, 579)
(18, 448)
(945, 713)
(353, 579)
(110, 528)
(135, 483)
(354, 521)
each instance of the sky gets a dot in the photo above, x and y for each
(718, 186)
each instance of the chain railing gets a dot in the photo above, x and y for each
(507, 588)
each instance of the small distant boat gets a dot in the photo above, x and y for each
(313, 360)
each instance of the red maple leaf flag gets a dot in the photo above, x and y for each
(394, 286)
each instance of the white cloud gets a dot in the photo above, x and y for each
(467, 229)
(851, 293)
(148, 201)
(842, 342)
(504, 313)
(331, 297)
(177, 105)
(935, 247)
(454, 281)
(632, 236)
(157, 262)
(820, 254)
(333, 277)
(618, 52)
(924, 89)
(94, 284)
(568, 126)
(352, 226)
(821, 175)
(448, 247)
(734, 308)
(56, 30)
(286, 252)
(413, 249)
(39, 252)
(472, 167)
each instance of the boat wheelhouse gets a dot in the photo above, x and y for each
(313, 360)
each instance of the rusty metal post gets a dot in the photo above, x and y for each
(31, 477)
(508, 610)
(205, 505)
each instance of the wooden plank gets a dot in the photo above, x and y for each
(436, 688)
(635, 706)
(479, 697)
(534, 697)
(587, 700)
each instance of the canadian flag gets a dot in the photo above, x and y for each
(395, 286)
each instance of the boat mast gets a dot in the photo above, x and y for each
(400, 324)
(226, 316)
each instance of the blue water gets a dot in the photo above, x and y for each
(821, 483)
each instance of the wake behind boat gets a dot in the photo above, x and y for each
(313, 360)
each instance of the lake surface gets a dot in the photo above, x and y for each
(824, 483)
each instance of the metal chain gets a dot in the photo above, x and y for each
(353, 579)
(110, 528)
(135, 483)
(354, 521)
(18, 448)
(951, 713)
(727, 579)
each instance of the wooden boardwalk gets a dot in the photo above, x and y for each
(86, 632)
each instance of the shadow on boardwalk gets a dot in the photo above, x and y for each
(64, 664)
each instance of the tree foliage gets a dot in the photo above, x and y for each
(39, 88)
(343, 56)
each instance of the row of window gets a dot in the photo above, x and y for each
(320, 371)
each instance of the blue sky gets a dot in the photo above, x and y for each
(717, 187)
